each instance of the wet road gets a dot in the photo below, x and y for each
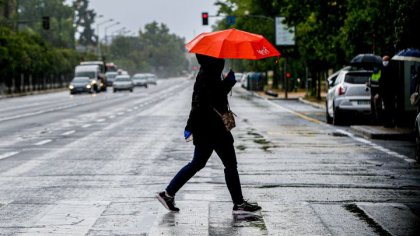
(90, 165)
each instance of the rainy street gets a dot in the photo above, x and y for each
(92, 164)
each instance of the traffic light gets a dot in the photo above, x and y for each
(205, 18)
(46, 22)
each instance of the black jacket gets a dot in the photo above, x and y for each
(210, 91)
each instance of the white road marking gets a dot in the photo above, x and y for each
(120, 113)
(100, 120)
(377, 147)
(86, 125)
(7, 154)
(362, 140)
(111, 117)
(129, 110)
(43, 142)
(69, 132)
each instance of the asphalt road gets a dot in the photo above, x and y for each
(91, 164)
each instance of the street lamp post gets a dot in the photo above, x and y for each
(98, 47)
(106, 28)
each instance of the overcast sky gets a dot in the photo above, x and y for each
(183, 17)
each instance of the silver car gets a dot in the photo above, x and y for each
(123, 82)
(348, 94)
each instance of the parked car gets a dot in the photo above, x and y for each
(110, 77)
(80, 85)
(238, 76)
(151, 79)
(140, 80)
(123, 82)
(348, 94)
(91, 71)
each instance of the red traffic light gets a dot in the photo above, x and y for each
(205, 18)
(288, 75)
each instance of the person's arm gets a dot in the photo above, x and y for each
(228, 82)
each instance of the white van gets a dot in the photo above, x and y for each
(91, 71)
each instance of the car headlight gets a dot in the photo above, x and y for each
(88, 86)
(93, 82)
(71, 86)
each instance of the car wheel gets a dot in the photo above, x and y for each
(131, 90)
(115, 90)
(329, 118)
(337, 119)
(145, 86)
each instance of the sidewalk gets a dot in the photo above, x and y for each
(366, 131)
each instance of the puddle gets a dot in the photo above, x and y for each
(241, 147)
(250, 220)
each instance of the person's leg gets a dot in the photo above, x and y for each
(226, 152)
(201, 156)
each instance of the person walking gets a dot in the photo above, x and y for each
(375, 94)
(387, 92)
(208, 133)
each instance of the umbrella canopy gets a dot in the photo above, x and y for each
(366, 60)
(409, 54)
(232, 43)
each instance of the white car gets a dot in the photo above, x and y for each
(348, 94)
(123, 82)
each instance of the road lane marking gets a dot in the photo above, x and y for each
(43, 142)
(294, 112)
(7, 154)
(120, 113)
(86, 126)
(362, 140)
(100, 120)
(377, 147)
(69, 132)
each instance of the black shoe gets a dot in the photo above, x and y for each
(245, 207)
(167, 202)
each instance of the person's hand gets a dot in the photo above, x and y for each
(230, 76)
(187, 134)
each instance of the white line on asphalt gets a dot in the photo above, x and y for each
(120, 113)
(377, 147)
(43, 142)
(111, 117)
(100, 120)
(293, 112)
(7, 154)
(129, 110)
(86, 126)
(362, 140)
(69, 132)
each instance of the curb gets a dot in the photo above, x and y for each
(314, 104)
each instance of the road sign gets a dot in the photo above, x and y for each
(285, 36)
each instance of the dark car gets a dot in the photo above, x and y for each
(81, 85)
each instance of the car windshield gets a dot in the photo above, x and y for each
(122, 79)
(89, 74)
(357, 78)
(111, 75)
(139, 77)
(80, 80)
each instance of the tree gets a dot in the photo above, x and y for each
(84, 18)
(155, 50)
(61, 32)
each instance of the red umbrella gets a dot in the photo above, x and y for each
(232, 43)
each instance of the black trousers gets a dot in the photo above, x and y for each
(202, 153)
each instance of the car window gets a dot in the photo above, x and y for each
(357, 78)
(80, 80)
(122, 79)
(89, 74)
(339, 79)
